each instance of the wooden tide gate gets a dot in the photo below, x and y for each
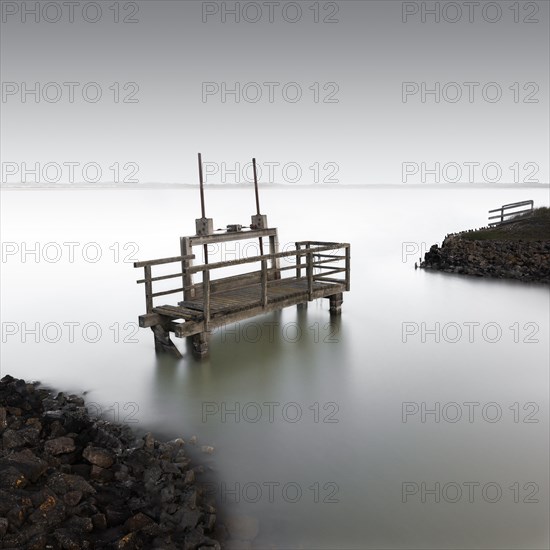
(317, 270)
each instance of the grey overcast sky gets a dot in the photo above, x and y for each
(339, 91)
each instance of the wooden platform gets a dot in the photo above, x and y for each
(240, 299)
(187, 318)
(213, 303)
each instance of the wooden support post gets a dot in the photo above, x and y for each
(163, 343)
(309, 271)
(200, 343)
(298, 261)
(206, 294)
(264, 283)
(336, 301)
(186, 250)
(348, 268)
(274, 249)
(148, 289)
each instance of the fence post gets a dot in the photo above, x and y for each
(206, 290)
(148, 288)
(309, 271)
(264, 283)
(348, 259)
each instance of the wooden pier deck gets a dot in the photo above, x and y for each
(212, 303)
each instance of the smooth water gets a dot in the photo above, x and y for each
(322, 428)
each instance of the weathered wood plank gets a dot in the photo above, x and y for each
(242, 261)
(233, 236)
(160, 278)
(189, 328)
(166, 292)
(163, 261)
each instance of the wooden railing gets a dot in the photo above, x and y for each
(310, 255)
(504, 217)
(148, 279)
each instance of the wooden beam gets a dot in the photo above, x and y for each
(161, 278)
(231, 236)
(163, 261)
(165, 292)
(149, 319)
(218, 265)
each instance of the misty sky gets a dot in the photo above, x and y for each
(166, 75)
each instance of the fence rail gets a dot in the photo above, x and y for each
(507, 217)
(309, 255)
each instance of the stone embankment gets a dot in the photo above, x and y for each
(527, 261)
(70, 482)
(517, 250)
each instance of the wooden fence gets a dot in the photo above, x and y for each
(507, 217)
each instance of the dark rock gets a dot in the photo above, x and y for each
(149, 441)
(3, 419)
(62, 483)
(12, 439)
(27, 463)
(3, 527)
(72, 498)
(99, 521)
(101, 474)
(116, 515)
(67, 539)
(99, 457)
(82, 470)
(59, 445)
(50, 513)
(16, 516)
(137, 522)
(11, 478)
(80, 524)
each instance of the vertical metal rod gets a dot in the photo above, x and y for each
(201, 186)
(203, 211)
(256, 187)
(257, 201)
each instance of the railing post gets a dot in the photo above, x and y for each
(273, 250)
(309, 271)
(206, 291)
(187, 278)
(264, 283)
(348, 258)
(298, 261)
(148, 289)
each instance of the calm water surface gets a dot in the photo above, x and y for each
(307, 414)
